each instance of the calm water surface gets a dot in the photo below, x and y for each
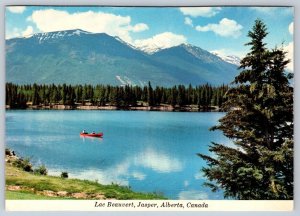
(149, 151)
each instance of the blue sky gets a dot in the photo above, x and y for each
(219, 29)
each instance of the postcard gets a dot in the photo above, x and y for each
(149, 108)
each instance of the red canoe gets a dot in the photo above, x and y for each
(92, 134)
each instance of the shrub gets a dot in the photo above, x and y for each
(110, 194)
(8, 152)
(64, 175)
(24, 164)
(41, 170)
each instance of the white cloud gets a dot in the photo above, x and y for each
(160, 41)
(16, 9)
(290, 55)
(17, 32)
(96, 22)
(186, 183)
(200, 11)
(158, 162)
(116, 174)
(12, 34)
(188, 21)
(291, 28)
(199, 176)
(193, 195)
(225, 28)
(273, 11)
(139, 27)
(29, 19)
(28, 31)
(120, 173)
(138, 175)
(264, 9)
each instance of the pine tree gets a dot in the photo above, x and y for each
(259, 121)
(150, 98)
(35, 97)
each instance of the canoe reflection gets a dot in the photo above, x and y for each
(93, 139)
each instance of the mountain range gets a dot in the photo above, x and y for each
(80, 57)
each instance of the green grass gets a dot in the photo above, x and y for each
(17, 177)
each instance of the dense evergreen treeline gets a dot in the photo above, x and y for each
(19, 96)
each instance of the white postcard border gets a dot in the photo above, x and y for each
(242, 205)
(149, 205)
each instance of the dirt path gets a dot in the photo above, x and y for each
(65, 194)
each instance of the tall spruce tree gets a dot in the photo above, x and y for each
(259, 122)
(150, 99)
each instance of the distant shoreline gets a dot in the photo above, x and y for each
(162, 108)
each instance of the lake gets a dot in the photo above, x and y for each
(148, 151)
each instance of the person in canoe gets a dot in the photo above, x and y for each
(84, 132)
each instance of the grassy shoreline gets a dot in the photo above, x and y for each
(27, 185)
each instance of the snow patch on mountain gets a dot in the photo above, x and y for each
(128, 81)
(125, 81)
(150, 49)
(200, 54)
(232, 59)
(120, 80)
(125, 43)
(195, 51)
(41, 37)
